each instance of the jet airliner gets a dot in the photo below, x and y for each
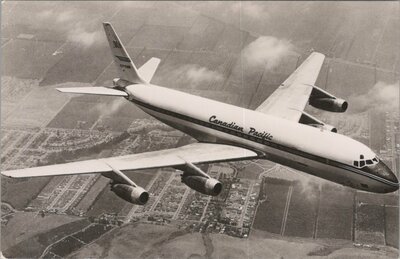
(278, 130)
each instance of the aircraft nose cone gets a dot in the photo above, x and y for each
(384, 171)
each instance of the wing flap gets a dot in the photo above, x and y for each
(96, 90)
(194, 153)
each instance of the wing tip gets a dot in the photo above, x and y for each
(7, 174)
(318, 54)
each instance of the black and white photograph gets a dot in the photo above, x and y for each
(200, 129)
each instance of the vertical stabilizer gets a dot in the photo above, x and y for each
(126, 69)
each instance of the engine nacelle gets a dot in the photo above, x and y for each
(329, 104)
(310, 120)
(132, 194)
(209, 186)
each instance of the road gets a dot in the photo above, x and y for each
(246, 204)
(286, 211)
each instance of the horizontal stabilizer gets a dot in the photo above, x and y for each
(96, 90)
(148, 69)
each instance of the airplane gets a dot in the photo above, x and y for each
(278, 130)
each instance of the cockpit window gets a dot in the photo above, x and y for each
(365, 162)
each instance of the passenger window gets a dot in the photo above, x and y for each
(369, 162)
(376, 160)
(355, 163)
(362, 163)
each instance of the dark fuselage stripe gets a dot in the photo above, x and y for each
(262, 141)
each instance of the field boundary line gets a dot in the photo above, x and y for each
(286, 211)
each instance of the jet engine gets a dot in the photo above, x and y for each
(199, 181)
(209, 186)
(132, 194)
(310, 120)
(329, 104)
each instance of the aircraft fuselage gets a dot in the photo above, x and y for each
(314, 151)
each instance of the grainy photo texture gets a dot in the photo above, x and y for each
(200, 129)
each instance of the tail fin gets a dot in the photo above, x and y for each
(127, 70)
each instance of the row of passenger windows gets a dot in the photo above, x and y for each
(239, 134)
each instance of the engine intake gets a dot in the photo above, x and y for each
(209, 186)
(329, 104)
(132, 194)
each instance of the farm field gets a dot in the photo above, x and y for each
(392, 226)
(250, 171)
(72, 114)
(343, 75)
(302, 211)
(76, 59)
(270, 212)
(91, 196)
(32, 187)
(129, 20)
(35, 245)
(171, 14)
(92, 232)
(335, 216)
(370, 198)
(203, 35)
(153, 36)
(30, 59)
(25, 225)
(148, 53)
(76, 241)
(231, 40)
(41, 110)
(369, 226)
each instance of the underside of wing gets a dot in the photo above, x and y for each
(291, 97)
(96, 90)
(193, 153)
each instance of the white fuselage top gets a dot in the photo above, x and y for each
(322, 143)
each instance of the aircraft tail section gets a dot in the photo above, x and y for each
(149, 68)
(126, 69)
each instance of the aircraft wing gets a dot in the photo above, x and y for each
(96, 90)
(291, 97)
(193, 153)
